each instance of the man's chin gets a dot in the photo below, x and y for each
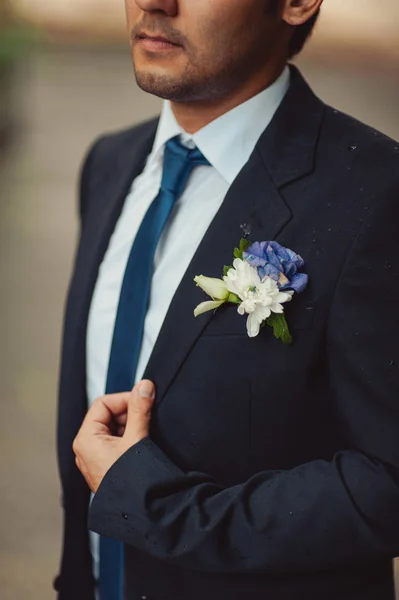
(163, 86)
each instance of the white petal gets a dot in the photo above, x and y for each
(215, 288)
(277, 308)
(263, 313)
(207, 306)
(237, 263)
(241, 309)
(233, 287)
(266, 300)
(231, 282)
(284, 296)
(241, 278)
(253, 326)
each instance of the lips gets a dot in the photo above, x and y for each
(156, 39)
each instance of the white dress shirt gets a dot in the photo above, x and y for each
(227, 144)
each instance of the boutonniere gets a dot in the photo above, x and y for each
(264, 276)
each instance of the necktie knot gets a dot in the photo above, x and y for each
(178, 162)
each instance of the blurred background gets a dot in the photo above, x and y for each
(65, 77)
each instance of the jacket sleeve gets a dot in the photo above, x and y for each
(319, 515)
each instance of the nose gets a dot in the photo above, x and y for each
(168, 7)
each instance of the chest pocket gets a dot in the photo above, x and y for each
(227, 321)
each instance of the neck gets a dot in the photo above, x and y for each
(193, 116)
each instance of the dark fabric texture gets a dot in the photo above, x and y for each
(270, 471)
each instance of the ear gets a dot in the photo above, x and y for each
(297, 12)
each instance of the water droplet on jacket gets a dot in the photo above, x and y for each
(352, 148)
(125, 517)
(392, 363)
(246, 229)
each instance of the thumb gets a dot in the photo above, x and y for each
(139, 411)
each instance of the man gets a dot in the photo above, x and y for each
(238, 467)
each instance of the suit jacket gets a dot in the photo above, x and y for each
(271, 471)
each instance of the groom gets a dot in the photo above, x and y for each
(238, 468)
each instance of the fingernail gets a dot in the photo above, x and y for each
(146, 389)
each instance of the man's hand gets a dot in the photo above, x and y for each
(113, 424)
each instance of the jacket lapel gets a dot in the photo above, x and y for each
(109, 187)
(244, 203)
(284, 153)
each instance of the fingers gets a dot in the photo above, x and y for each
(105, 410)
(120, 419)
(120, 424)
(116, 403)
(141, 401)
(120, 431)
(142, 398)
(145, 389)
(125, 414)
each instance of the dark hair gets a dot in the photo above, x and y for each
(301, 35)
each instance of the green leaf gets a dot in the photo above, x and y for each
(280, 328)
(244, 244)
(226, 269)
(233, 299)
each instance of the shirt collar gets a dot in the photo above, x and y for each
(228, 141)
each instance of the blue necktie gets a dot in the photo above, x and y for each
(178, 163)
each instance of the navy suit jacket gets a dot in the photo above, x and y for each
(270, 471)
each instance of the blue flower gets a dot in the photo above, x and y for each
(281, 264)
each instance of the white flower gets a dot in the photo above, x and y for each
(216, 289)
(207, 306)
(260, 298)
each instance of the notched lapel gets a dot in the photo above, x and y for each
(285, 152)
(288, 146)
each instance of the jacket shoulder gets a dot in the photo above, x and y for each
(108, 156)
(115, 143)
(358, 169)
(344, 131)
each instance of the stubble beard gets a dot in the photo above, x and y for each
(194, 84)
